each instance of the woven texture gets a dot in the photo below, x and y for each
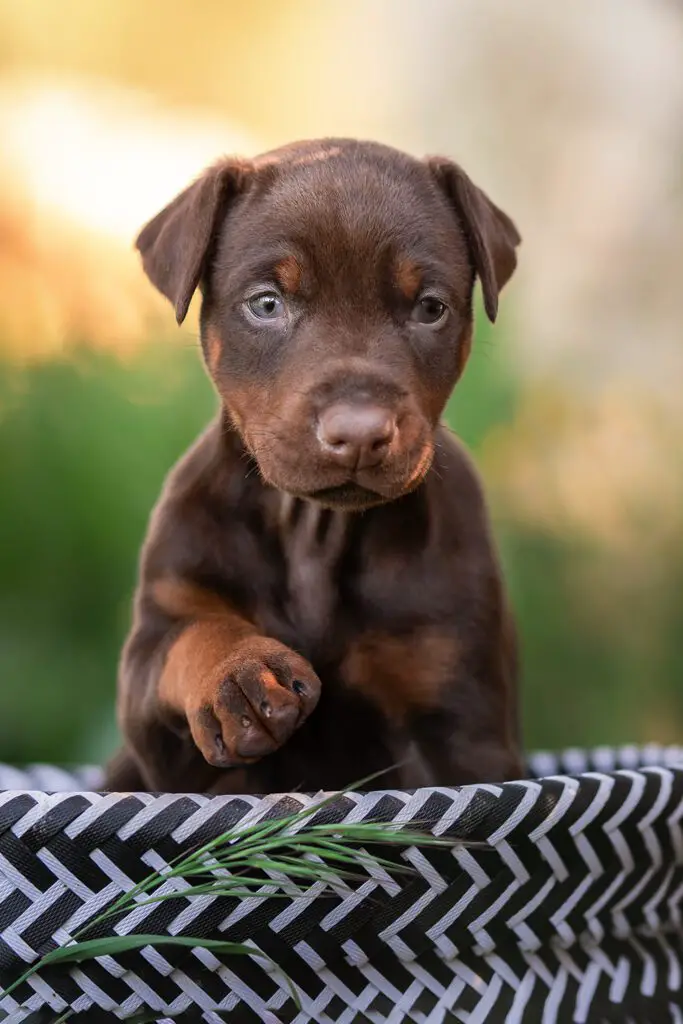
(567, 909)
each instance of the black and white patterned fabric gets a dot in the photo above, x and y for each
(559, 901)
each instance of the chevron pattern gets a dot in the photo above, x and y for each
(561, 900)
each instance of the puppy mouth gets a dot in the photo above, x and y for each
(351, 495)
(346, 496)
(353, 491)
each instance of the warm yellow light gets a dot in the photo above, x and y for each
(83, 165)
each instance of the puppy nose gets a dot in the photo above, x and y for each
(356, 436)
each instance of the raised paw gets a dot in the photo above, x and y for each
(260, 695)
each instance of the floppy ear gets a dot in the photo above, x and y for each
(491, 236)
(176, 244)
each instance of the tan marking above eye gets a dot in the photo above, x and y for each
(288, 273)
(408, 278)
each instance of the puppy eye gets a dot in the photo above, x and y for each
(266, 306)
(429, 310)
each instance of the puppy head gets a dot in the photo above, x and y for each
(337, 281)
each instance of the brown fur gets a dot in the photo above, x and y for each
(465, 349)
(319, 597)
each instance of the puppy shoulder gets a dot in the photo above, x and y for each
(196, 468)
(192, 512)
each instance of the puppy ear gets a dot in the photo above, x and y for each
(176, 244)
(491, 235)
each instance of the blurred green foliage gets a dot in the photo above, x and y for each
(84, 445)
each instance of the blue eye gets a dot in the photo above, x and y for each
(429, 310)
(266, 306)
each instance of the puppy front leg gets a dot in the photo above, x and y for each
(210, 686)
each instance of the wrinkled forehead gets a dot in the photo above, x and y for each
(338, 211)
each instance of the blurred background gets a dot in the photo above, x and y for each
(570, 115)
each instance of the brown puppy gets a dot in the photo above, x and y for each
(319, 597)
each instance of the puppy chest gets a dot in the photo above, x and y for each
(314, 542)
(365, 614)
